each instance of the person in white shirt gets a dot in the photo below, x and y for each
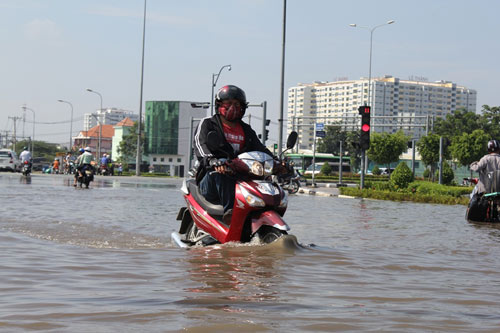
(25, 155)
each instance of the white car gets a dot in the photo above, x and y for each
(9, 160)
(317, 169)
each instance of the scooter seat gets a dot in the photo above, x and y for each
(212, 209)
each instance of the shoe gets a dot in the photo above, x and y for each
(227, 217)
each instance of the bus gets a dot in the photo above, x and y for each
(304, 160)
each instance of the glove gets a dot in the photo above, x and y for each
(214, 162)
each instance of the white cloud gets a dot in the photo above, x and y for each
(42, 30)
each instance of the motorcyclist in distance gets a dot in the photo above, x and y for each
(237, 137)
(77, 161)
(85, 161)
(488, 163)
(25, 156)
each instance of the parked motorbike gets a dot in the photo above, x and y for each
(86, 176)
(260, 204)
(485, 207)
(26, 170)
(290, 181)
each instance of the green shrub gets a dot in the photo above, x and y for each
(326, 169)
(376, 170)
(401, 176)
(448, 175)
(404, 196)
(427, 174)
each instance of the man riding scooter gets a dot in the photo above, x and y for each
(25, 156)
(488, 164)
(237, 137)
(84, 162)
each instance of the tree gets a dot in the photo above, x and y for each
(127, 149)
(458, 122)
(428, 148)
(401, 176)
(490, 119)
(448, 175)
(330, 143)
(468, 148)
(326, 169)
(386, 148)
(353, 149)
(42, 148)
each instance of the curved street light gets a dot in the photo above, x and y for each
(354, 25)
(98, 122)
(215, 78)
(71, 123)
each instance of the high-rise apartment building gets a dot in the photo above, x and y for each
(111, 116)
(407, 105)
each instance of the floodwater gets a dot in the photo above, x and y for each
(101, 260)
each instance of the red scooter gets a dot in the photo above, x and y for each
(258, 208)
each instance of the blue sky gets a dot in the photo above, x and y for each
(55, 49)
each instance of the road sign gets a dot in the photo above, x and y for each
(320, 134)
(320, 126)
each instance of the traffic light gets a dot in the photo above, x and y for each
(364, 138)
(265, 131)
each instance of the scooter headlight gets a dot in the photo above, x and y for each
(251, 199)
(257, 169)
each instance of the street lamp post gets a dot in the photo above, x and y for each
(363, 153)
(99, 123)
(371, 47)
(215, 78)
(33, 138)
(71, 123)
(138, 156)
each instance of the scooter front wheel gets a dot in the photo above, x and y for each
(268, 234)
(294, 187)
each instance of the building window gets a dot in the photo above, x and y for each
(179, 160)
(162, 159)
(170, 159)
(154, 159)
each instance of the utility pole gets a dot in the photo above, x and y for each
(14, 138)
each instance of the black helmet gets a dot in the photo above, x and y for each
(493, 145)
(231, 92)
(25, 148)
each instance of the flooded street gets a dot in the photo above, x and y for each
(101, 260)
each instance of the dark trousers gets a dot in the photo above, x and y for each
(218, 188)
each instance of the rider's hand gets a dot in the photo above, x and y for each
(218, 165)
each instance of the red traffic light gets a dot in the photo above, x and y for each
(365, 128)
(365, 109)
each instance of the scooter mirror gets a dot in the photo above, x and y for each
(292, 139)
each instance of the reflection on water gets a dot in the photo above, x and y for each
(25, 179)
(232, 267)
(101, 260)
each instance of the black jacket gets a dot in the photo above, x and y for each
(203, 152)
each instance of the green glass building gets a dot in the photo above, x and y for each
(161, 128)
(167, 135)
